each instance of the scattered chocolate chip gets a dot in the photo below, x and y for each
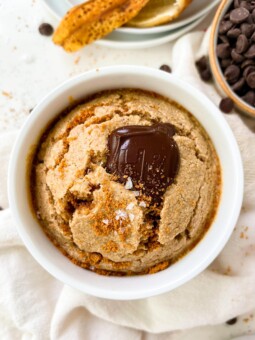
(226, 105)
(202, 63)
(231, 321)
(223, 51)
(204, 68)
(232, 73)
(46, 29)
(1, 208)
(242, 44)
(206, 75)
(238, 85)
(239, 15)
(224, 26)
(249, 97)
(238, 58)
(251, 80)
(234, 33)
(30, 110)
(165, 68)
(251, 52)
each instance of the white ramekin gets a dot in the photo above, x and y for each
(125, 288)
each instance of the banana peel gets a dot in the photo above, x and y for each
(94, 19)
(158, 12)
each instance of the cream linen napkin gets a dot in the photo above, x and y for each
(33, 305)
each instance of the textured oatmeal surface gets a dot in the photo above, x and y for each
(107, 226)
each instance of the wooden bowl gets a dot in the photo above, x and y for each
(215, 66)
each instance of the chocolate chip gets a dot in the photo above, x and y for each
(226, 105)
(206, 75)
(251, 80)
(238, 58)
(225, 26)
(223, 51)
(251, 52)
(236, 3)
(247, 62)
(247, 29)
(234, 33)
(46, 29)
(202, 63)
(245, 4)
(238, 85)
(224, 39)
(232, 73)
(231, 321)
(239, 15)
(204, 68)
(242, 44)
(248, 70)
(226, 62)
(253, 37)
(253, 15)
(165, 68)
(249, 98)
(1, 208)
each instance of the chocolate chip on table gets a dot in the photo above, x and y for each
(1, 208)
(232, 73)
(46, 29)
(226, 105)
(204, 68)
(223, 51)
(239, 15)
(231, 321)
(251, 80)
(249, 97)
(165, 68)
(242, 44)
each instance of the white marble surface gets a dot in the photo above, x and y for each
(30, 66)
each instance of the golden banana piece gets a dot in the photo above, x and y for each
(158, 12)
(94, 19)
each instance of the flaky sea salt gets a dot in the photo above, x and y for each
(142, 204)
(130, 206)
(105, 221)
(120, 214)
(131, 217)
(136, 193)
(129, 184)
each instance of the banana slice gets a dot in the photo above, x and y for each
(94, 19)
(158, 12)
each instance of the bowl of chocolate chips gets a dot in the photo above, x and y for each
(232, 52)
